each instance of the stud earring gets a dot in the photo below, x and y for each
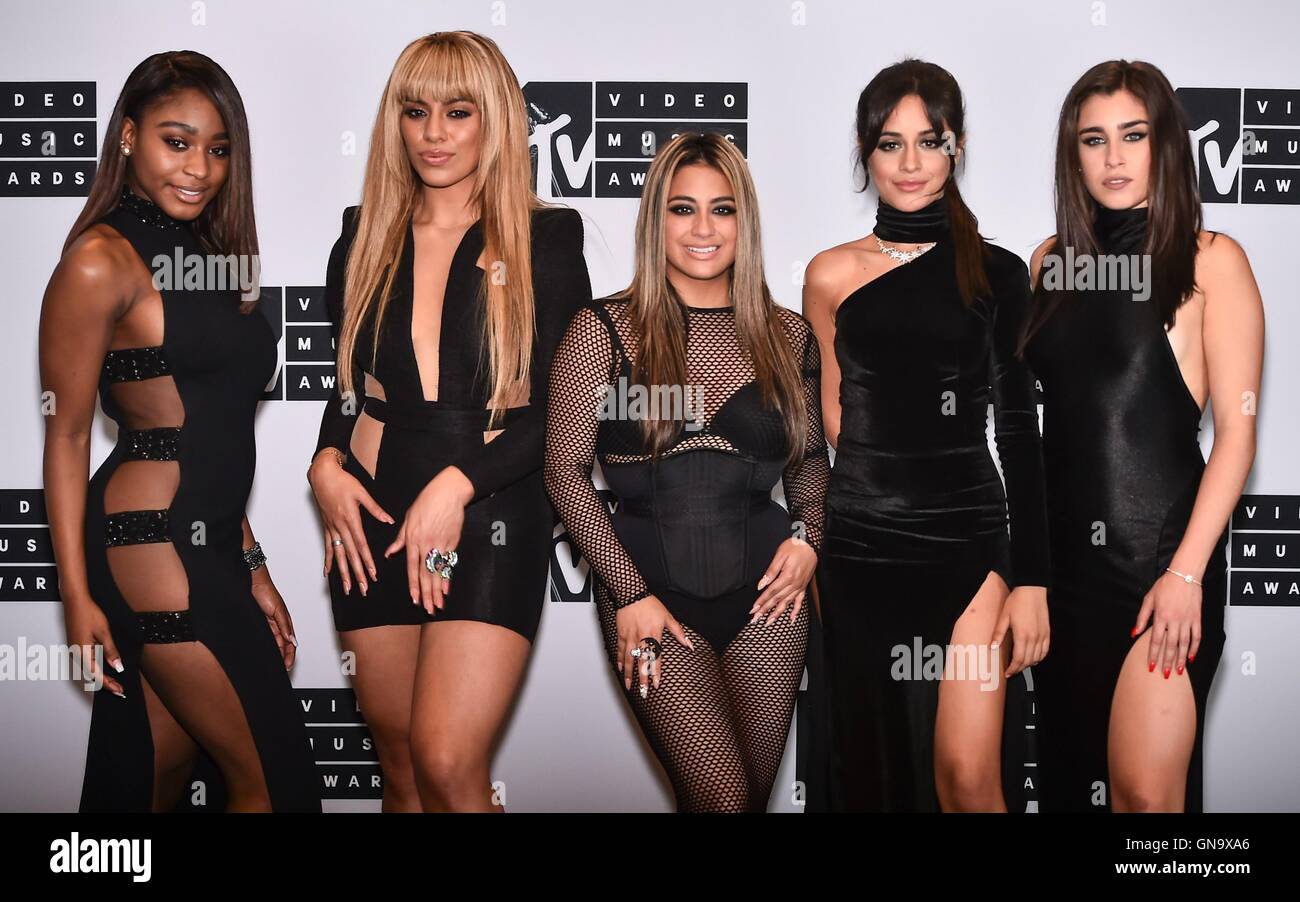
(126, 151)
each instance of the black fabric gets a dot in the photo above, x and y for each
(1120, 440)
(930, 223)
(218, 362)
(916, 513)
(1120, 231)
(696, 528)
(495, 582)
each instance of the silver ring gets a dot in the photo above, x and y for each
(437, 562)
(338, 541)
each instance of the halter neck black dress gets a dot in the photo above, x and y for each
(916, 515)
(1120, 444)
(185, 407)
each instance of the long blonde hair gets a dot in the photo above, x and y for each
(443, 66)
(656, 313)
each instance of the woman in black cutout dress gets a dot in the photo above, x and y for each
(695, 529)
(916, 514)
(1136, 513)
(422, 437)
(461, 473)
(164, 518)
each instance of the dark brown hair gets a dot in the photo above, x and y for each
(227, 224)
(1173, 201)
(941, 95)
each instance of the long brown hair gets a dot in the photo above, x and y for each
(656, 311)
(941, 96)
(1174, 204)
(227, 224)
(447, 65)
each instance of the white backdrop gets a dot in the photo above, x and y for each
(311, 76)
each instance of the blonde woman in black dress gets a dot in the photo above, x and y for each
(450, 286)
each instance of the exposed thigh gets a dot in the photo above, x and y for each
(465, 683)
(383, 677)
(1152, 722)
(972, 694)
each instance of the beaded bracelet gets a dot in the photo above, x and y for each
(254, 556)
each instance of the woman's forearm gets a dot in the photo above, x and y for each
(1221, 485)
(66, 473)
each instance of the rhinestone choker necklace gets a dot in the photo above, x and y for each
(147, 211)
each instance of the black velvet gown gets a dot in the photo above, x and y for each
(1121, 451)
(164, 537)
(916, 515)
(506, 540)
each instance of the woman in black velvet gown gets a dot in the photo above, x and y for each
(450, 286)
(1137, 517)
(919, 580)
(157, 563)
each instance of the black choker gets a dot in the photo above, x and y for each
(147, 211)
(930, 223)
(1120, 230)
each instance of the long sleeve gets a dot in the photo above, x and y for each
(805, 483)
(564, 287)
(1016, 432)
(339, 417)
(581, 370)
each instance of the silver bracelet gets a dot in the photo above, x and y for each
(254, 556)
(1186, 577)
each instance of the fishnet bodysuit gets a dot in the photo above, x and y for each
(719, 719)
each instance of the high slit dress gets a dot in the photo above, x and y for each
(184, 411)
(1123, 466)
(916, 514)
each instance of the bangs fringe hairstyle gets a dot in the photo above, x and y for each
(1174, 219)
(944, 108)
(658, 314)
(442, 67)
(227, 224)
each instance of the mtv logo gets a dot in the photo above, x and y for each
(1244, 143)
(596, 139)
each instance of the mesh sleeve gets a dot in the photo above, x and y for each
(805, 483)
(580, 372)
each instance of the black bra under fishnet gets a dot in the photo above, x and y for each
(597, 349)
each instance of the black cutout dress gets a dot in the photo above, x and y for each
(219, 362)
(506, 542)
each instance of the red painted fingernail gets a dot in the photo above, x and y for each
(1191, 658)
(1133, 632)
(1180, 669)
(1166, 673)
(1151, 668)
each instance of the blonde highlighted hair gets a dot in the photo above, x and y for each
(445, 66)
(657, 313)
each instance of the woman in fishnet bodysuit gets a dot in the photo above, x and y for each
(701, 576)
